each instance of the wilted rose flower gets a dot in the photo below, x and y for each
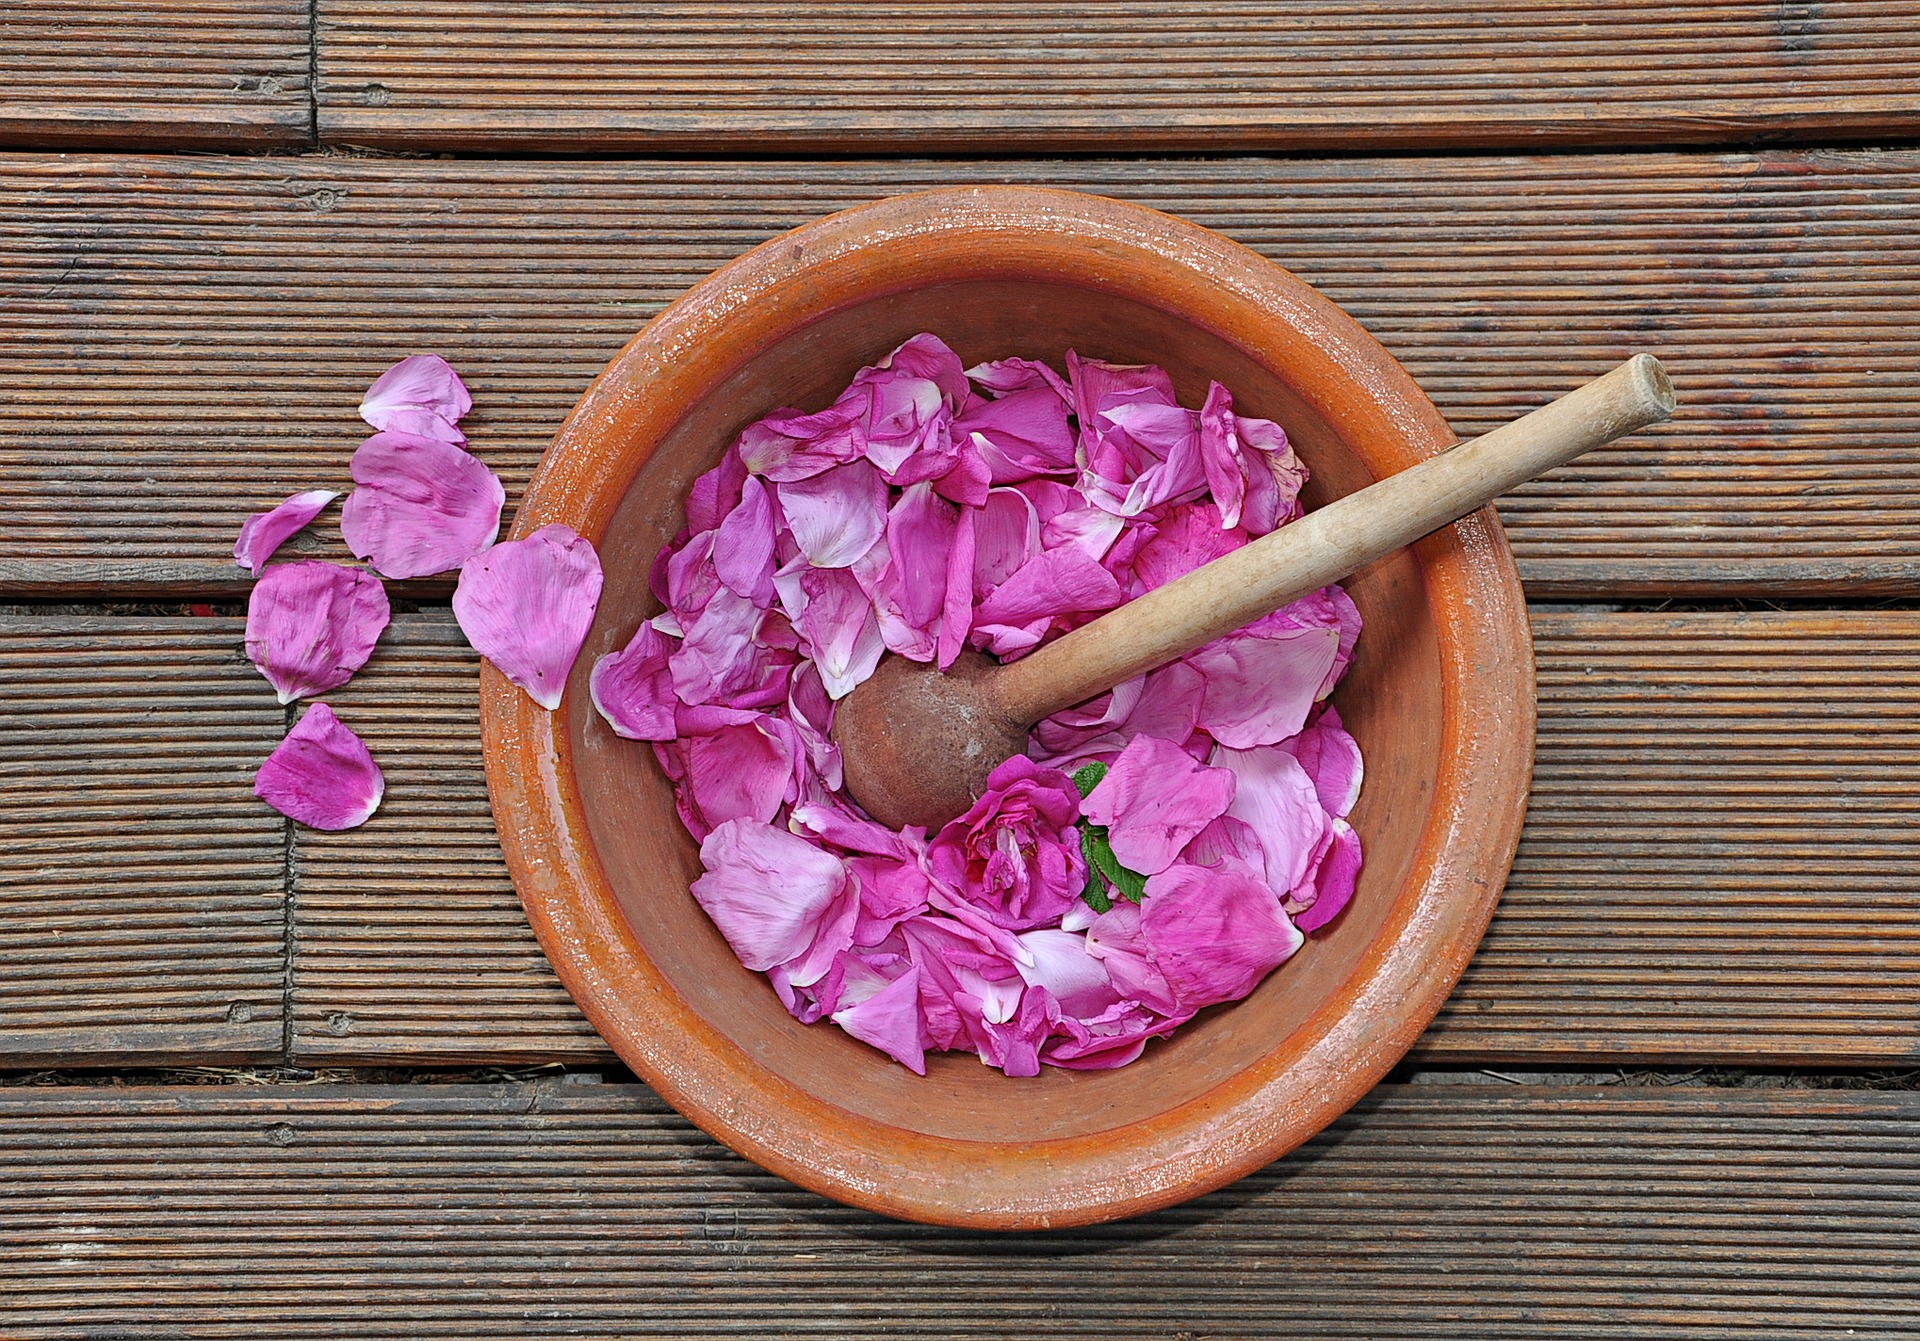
(1016, 854)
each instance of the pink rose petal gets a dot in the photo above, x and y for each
(422, 506)
(321, 775)
(311, 625)
(422, 395)
(837, 515)
(526, 606)
(777, 898)
(743, 545)
(1332, 759)
(1261, 688)
(836, 623)
(633, 689)
(740, 764)
(885, 1014)
(1154, 799)
(1061, 964)
(1213, 934)
(1335, 881)
(264, 532)
(1276, 798)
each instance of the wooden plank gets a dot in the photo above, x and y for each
(523, 1211)
(569, 76)
(408, 927)
(1721, 858)
(142, 913)
(163, 74)
(1720, 864)
(189, 337)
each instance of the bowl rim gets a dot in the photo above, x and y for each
(1355, 1036)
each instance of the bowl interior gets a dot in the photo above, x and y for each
(1392, 700)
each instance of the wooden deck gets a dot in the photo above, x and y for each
(1676, 1094)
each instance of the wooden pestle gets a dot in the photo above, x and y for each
(917, 744)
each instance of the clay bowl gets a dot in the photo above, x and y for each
(1440, 696)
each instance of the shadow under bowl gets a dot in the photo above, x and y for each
(1440, 697)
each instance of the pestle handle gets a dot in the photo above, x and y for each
(1329, 543)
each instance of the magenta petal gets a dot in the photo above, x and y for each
(1006, 533)
(1276, 798)
(421, 394)
(264, 532)
(888, 1019)
(526, 606)
(311, 625)
(1061, 964)
(633, 689)
(1261, 688)
(1332, 759)
(1334, 883)
(771, 894)
(1053, 582)
(422, 506)
(321, 774)
(1154, 799)
(1213, 934)
(740, 765)
(837, 515)
(743, 545)
(835, 620)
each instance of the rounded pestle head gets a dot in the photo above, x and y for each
(917, 744)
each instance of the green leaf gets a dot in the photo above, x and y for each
(1095, 893)
(1086, 779)
(1130, 885)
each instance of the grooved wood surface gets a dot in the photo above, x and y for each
(1720, 865)
(408, 934)
(595, 75)
(522, 1211)
(180, 74)
(142, 914)
(1722, 855)
(189, 338)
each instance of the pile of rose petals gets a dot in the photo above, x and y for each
(1158, 850)
(422, 504)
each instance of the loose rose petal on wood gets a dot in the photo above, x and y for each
(311, 625)
(422, 506)
(264, 532)
(421, 394)
(526, 606)
(321, 775)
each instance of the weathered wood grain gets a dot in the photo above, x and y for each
(188, 338)
(142, 907)
(522, 1211)
(1721, 863)
(1358, 75)
(407, 933)
(1722, 850)
(173, 74)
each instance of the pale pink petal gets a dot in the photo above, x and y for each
(311, 625)
(1327, 608)
(1115, 940)
(719, 658)
(772, 895)
(321, 774)
(1273, 473)
(887, 1016)
(526, 606)
(1020, 435)
(1072, 727)
(421, 394)
(743, 545)
(928, 356)
(837, 515)
(1276, 798)
(1154, 799)
(811, 712)
(264, 532)
(788, 445)
(1220, 454)
(1332, 759)
(633, 689)
(1334, 882)
(1006, 533)
(956, 615)
(1111, 1039)
(422, 506)
(1093, 531)
(1018, 374)
(1061, 964)
(1261, 688)
(836, 623)
(1213, 935)
(740, 764)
